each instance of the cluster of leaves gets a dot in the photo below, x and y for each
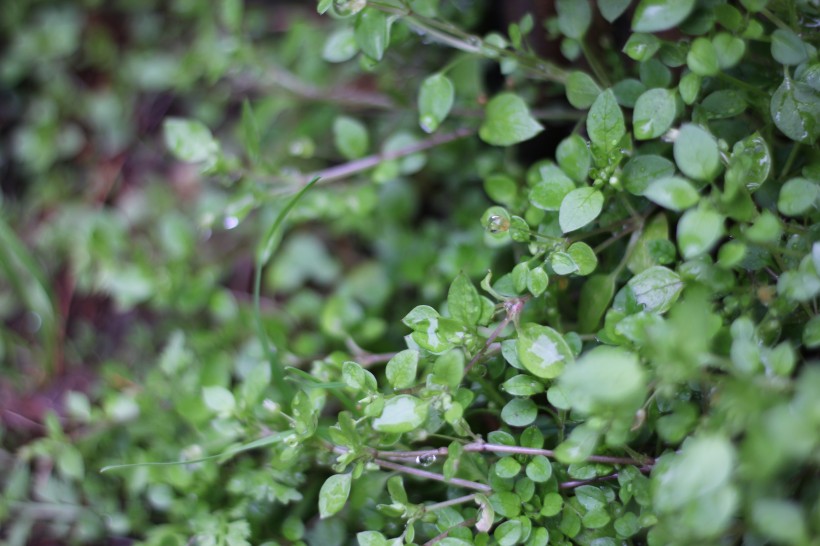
(634, 367)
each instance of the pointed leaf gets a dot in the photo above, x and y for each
(508, 121)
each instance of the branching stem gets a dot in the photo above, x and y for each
(358, 165)
(480, 447)
(467, 484)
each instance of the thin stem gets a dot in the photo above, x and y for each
(789, 161)
(501, 325)
(356, 166)
(451, 502)
(630, 248)
(480, 447)
(614, 476)
(455, 37)
(775, 19)
(280, 77)
(634, 229)
(596, 67)
(467, 484)
(438, 538)
(740, 84)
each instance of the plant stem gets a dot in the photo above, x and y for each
(438, 538)
(596, 67)
(741, 84)
(455, 37)
(479, 447)
(451, 502)
(513, 310)
(614, 476)
(358, 165)
(467, 484)
(789, 161)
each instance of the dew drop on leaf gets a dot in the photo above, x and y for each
(426, 460)
(497, 224)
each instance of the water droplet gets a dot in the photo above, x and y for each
(497, 224)
(230, 222)
(426, 460)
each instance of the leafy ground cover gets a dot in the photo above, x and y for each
(410, 272)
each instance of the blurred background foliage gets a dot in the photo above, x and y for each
(125, 286)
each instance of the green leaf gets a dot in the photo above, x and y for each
(357, 378)
(507, 121)
(627, 525)
(508, 533)
(696, 153)
(641, 47)
(811, 333)
(190, 140)
(519, 412)
(656, 289)
(612, 9)
(729, 49)
(798, 196)
(371, 538)
(702, 468)
(333, 494)
(574, 158)
(522, 385)
(350, 137)
(372, 32)
(788, 48)
(574, 17)
(401, 413)
(401, 369)
(448, 369)
(562, 263)
(751, 161)
(501, 188)
(435, 101)
(689, 87)
(798, 285)
(219, 399)
(656, 229)
(552, 504)
(780, 520)
(795, 109)
(537, 281)
(656, 15)
(596, 293)
(584, 257)
(673, 192)
(627, 91)
(507, 467)
(463, 300)
(654, 113)
(698, 231)
(603, 378)
(581, 90)
(580, 207)
(543, 351)
(340, 46)
(639, 172)
(539, 469)
(605, 123)
(702, 58)
(580, 444)
(506, 503)
(549, 193)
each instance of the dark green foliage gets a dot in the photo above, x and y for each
(448, 340)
